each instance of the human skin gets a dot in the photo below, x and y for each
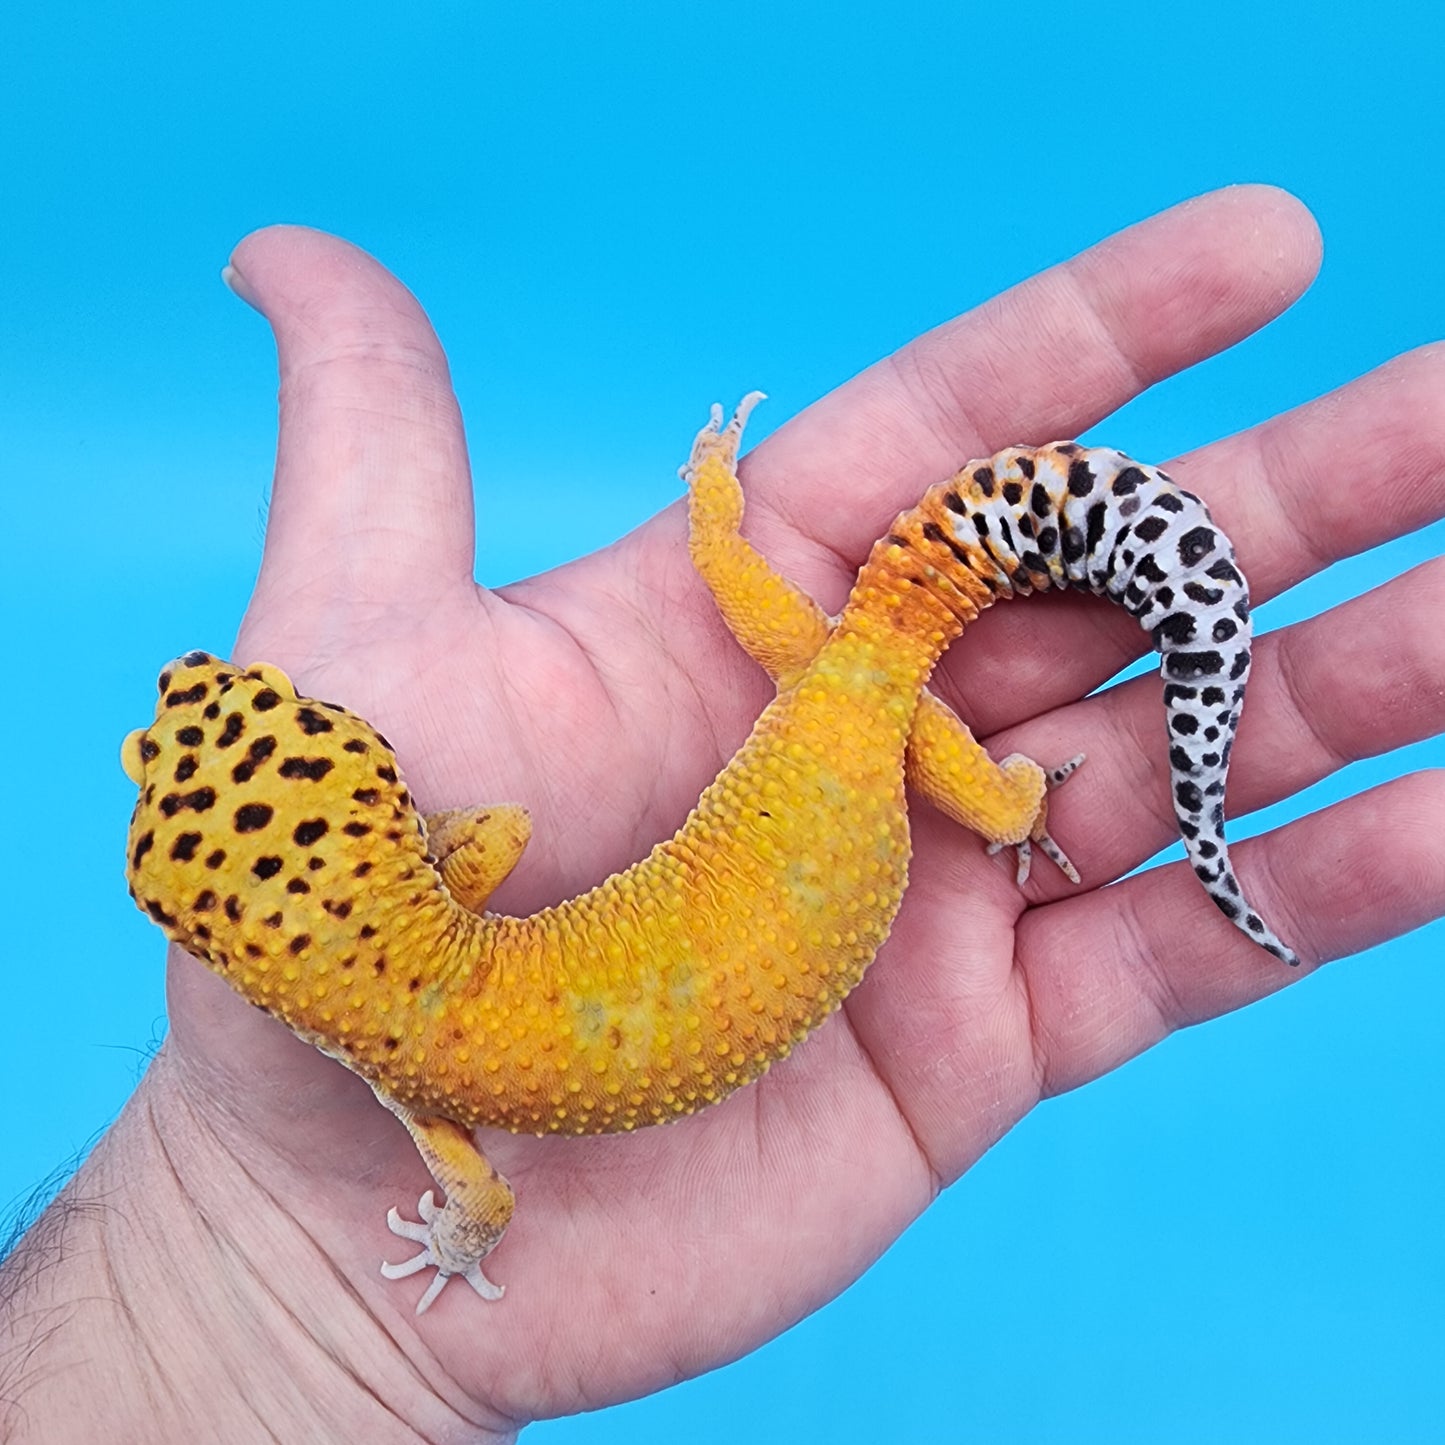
(212, 1269)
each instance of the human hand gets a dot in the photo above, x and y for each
(605, 696)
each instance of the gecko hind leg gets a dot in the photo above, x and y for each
(782, 628)
(1053, 778)
(458, 1236)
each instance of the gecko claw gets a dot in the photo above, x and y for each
(1053, 778)
(715, 439)
(427, 1257)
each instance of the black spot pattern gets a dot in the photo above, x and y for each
(256, 754)
(252, 817)
(198, 801)
(313, 768)
(1081, 478)
(1177, 628)
(1195, 544)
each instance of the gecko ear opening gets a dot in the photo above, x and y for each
(130, 756)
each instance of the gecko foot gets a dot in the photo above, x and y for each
(715, 439)
(431, 1256)
(1053, 778)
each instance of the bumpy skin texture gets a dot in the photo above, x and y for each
(275, 840)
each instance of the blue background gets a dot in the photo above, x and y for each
(615, 214)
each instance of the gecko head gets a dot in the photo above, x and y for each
(258, 808)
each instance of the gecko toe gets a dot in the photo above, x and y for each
(1057, 857)
(427, 1257)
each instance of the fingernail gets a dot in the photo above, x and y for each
(237, 284)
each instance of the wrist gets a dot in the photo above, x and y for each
(167, 1294)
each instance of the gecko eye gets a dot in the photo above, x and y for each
(131, 757)
(274, 678)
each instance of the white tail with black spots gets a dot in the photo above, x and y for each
(1071, 516)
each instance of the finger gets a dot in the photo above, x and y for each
(1324, 481)
(372, 498)
(1305, 717)
(1045, 360)
(1112, 972)
(1331, 478)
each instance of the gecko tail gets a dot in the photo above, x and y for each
(1065, 515)
(1202, 704)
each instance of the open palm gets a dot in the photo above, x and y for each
(605, 695)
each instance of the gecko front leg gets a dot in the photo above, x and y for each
(474, 850)
(457, 1237)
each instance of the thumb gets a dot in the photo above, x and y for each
(372, 501)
